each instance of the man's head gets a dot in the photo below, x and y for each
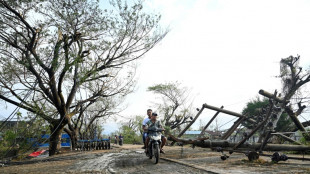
(154, 116)
(149, 112)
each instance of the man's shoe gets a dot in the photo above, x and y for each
(162, 151)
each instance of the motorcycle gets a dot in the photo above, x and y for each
(154, 145)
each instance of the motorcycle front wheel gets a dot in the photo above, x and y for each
(150, 152)
(156, 153)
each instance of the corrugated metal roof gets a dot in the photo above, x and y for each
(192, 132)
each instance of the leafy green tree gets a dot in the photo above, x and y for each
(18, 135)
(136, 124)
(255, 108)
(130, 136)
(131, 130)
(58, 49)
(9, 137)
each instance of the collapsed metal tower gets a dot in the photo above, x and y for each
(265, 125)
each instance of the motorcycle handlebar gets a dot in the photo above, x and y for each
(156, 130)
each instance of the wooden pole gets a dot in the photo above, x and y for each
(232, 128)
(205, 128)
(269, 95)
(297, 122)
(286, 138)
(256, 128)
(292, 115)
(226, 145)
(228, 112)
(193, 121)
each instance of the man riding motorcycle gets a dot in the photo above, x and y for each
(149, 114)
(154, 123)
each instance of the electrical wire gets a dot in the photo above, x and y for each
(17, 108)
(228, 122)
(11, 116)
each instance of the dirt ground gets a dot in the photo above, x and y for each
(131, 159)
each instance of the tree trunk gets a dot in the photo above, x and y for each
(55, 139)
(73, 138)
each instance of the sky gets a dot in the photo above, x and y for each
(224, 51)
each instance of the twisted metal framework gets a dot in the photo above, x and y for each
(265, 125)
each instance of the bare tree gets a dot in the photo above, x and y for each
(52, 50)
(93, 112)
(293, 79)
(174, 106)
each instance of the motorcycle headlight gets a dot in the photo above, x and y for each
(158, 137)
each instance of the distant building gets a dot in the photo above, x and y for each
(214, 134)
(207, 133)
(191, 134)
(8, 124)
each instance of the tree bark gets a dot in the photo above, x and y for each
(55, 139)
(73, 137)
